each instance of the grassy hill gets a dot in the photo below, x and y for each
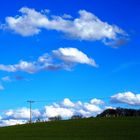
(127, 128)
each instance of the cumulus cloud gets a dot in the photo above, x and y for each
(18, 116)
(96, 101)
(92, 108)
(68, 57)
(53, 111)
(66, 109)
(127, 98)
(22, 113)
(68, 103)
(85, 27)
(11, 122)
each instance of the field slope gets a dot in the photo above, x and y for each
(83, 129)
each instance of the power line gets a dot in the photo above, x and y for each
(30, 102)
(72, 99)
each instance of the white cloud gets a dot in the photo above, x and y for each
(18, 116)
(68, 56)
(67, 109)
(28, 23)
(90, 27)
(96, 101)
(21, 66)
(22, 113)
(73, 55)
(127, 98)
(52, 111)
(68, 103)
(11, 122)
(9, 68)
(85, 27)
(84, 113)
(92, 108)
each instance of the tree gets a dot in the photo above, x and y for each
(76, 117)
(56, 118)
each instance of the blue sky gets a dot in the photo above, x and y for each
(117, 57)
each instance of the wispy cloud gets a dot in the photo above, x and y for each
(69, 57)
(6, 79)
(125, 66)
(1, 87)
(85, 27)
(118, 42)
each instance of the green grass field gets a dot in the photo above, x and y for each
(84, 129)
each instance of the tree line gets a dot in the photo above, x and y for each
(119, 112)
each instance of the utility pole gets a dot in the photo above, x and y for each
(30, 102)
